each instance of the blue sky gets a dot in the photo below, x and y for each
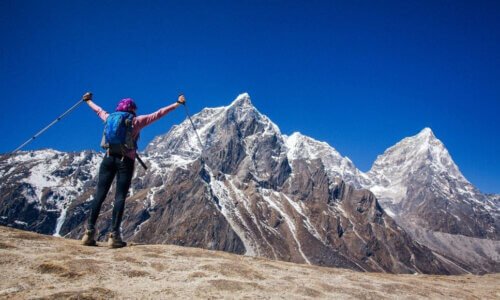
(360, 75)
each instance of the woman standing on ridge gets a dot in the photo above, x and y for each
(120, 141)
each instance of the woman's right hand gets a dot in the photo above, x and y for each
(87, 96)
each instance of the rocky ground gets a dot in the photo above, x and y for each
(34, 266)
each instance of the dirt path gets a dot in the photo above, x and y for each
(35, 266)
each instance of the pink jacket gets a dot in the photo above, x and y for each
(139, 121)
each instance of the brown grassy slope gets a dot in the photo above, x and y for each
(38, 266)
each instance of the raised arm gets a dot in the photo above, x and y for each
(145, 120)
(96, 108)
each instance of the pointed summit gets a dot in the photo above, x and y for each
(422, 142)
(242, 100)
(422, 156)
(423, 147)
(426, 132)
(243, 111)
(425, 139)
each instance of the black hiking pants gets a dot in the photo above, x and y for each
(111, 166)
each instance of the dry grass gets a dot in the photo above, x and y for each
(57, 269)
(44, 267)
(6, 246)
(87, 294)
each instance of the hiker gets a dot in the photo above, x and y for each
(120, 141)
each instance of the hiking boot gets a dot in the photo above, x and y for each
(115, 240)
(88, 238)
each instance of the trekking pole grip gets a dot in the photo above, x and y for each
(87, 96)
(181, 99)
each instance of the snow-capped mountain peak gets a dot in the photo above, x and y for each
(303, 147)
(426, 144)
(217, 127)
(243, 99)
(417, 175)
(241, 110)
(426, 132)
(410, 154)
(422, 153)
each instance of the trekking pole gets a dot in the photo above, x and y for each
(194, 127)
(141, 161)
(50, 125)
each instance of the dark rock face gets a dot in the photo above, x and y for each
(184, 213)
(37, 187)
(250, 190)
(176, 211)
(352, 223)
(25, 214)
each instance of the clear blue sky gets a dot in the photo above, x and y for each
(360, 75)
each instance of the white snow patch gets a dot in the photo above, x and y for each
(307, 222)
(241, 197)
(395, 192)
(266, 195)
(22, 223)
(389, 212)
(139, 227)
(227, 210)
(60, 221)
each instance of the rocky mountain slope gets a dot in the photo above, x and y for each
(495, 199)
(45, 267)
(248, 190)
(38, 187)
(417, 182)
